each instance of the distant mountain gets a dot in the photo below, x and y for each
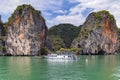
(67, 32)
(98, 34)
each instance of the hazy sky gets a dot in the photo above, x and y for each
(63, 11)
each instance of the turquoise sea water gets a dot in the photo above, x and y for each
(102, 67)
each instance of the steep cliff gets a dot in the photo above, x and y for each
(119, 37)
(2, 33)
(98, 34)
(26, 31)
(2, 40)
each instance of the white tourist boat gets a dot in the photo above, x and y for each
(61, 56)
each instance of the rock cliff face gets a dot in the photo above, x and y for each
(119, 37)
(26, 31)
(2, 33)
(98, 34)
(2, 42)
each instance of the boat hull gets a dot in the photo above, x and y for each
(61, 57)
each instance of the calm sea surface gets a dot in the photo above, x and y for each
(105, 67)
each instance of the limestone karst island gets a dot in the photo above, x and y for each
(71, 42)
(26, 33)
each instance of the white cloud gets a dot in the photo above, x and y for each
(8, 6)
(73, 1)
(76, 16)
(60, 11)
(113, 6)
(73, 19)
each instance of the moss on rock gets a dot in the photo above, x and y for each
(19, 10)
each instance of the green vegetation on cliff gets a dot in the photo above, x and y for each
(5, 27)
(2, 49)
(0, 21)
(56, 42)
(74, 50)
(19, 10)
(21, 7)
(118, 30)
(67, 32)
(96, 20)
(99, 15)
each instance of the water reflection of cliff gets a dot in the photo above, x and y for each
(19, 67)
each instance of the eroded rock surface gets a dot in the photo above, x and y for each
(26, 31)
(98, 34)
